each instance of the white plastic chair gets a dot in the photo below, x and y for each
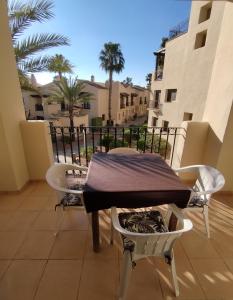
(123, 150)
(67, 195)
(209, 180)
(158, 244)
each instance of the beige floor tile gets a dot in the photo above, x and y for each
(69, 245)
(10, 202)
(3, 266)
(74, 219)
(5, 217)
(48, 220)
(222, 240)
(41, 188)
(98, 280)
(215, 278)
(229, 263)
(60, 280)
(10, 243)
(144, 282)
(198, 246)
(37, 245)
(21, 280)
(21, 220)
(52, 201)
(187, 279)
(33, 203)
(107, 251)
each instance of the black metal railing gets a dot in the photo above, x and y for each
(180, 28)
(77, 144)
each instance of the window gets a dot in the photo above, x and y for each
(157, 95)
(205, 12)
(39, 107)
(171, 95)
(103, 117)
(145, 101)
(154, 121)
(200, 39)
(140, 100)
(86, 105)
(187, 116)
(165, 125)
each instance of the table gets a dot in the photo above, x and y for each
(130, 181)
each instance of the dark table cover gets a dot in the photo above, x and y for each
(132, 181)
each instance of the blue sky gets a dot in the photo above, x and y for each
(138, 25)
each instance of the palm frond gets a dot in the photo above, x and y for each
(22, 15)
(25, 83)
(59, 64)
(38, 64)
(37, 43)
(111, 58)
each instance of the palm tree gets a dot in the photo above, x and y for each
(111, 60)
(21, 17)
(128, 81)
(71, 92)
(59, 64)
(148, 79)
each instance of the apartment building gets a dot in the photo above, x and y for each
(128, 102)
(184, 69)
(192, 86)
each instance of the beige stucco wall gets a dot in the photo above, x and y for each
(38, 148)
(14, 173)
(128, 111)
(220, 93)
(189, 70)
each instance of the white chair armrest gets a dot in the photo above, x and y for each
(187, 225)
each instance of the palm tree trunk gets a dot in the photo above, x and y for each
(110, 98)
(71, 123)
(60, 74)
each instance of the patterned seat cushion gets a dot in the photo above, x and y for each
(141, 222)
(71, 199)
(197, 201)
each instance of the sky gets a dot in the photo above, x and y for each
(138, 25)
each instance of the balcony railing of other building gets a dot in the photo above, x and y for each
(77, 144)
(155, 105)
(179, 29)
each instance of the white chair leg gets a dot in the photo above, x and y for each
(125, 275)
(206, 219)
(174, 276)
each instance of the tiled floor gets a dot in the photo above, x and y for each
(37, 264)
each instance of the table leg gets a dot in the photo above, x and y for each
(95, 231)
(172, 222)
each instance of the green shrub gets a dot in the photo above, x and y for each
(118, 144)
(89, 152)
(158, 147)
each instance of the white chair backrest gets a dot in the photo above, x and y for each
(154, 244)
(56, 177)
(209, 179)
(123, 150)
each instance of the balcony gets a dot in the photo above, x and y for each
(155, 106)
(35, 264)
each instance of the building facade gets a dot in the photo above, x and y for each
(182, 80)
(128, 103)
